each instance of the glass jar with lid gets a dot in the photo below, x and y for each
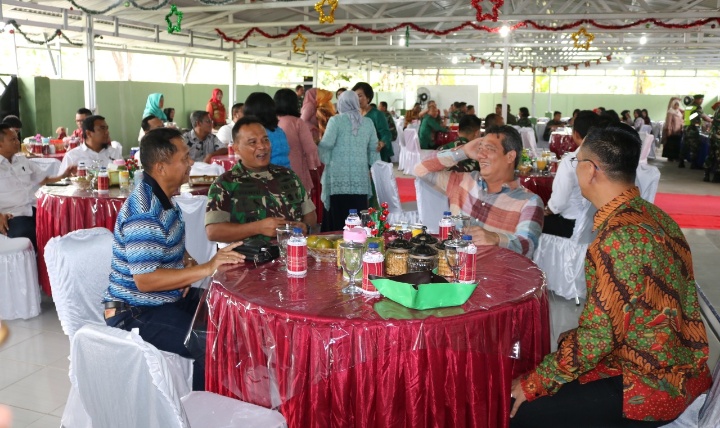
(443, 269)
(396, 257)
(422, 258)
(424, 238)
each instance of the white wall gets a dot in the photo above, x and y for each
(445, 95)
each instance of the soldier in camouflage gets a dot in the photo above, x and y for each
(254, 197)
(468, 130)
(711, 163)
(691, 138)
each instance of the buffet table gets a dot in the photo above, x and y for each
(61, 210)
(325, 359)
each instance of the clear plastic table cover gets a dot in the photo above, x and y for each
(324, 358)
(540, 185)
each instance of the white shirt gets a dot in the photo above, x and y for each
(566, 198)
(83, 153)
(224, 134)
(19, 180)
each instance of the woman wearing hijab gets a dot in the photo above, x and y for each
(262, 106)
(348, 149)
(317, 109)
(216, 109)
(672, 130)
(154, 106)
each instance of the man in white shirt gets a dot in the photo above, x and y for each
(96, 147)
(566, 203)
(19, 178)
(203, 144)
(225, 132)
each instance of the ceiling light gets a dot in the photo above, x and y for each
(454, 60)
(621, 68)
(643, 40)
(504, 31)
(401, 41)
(628, 60)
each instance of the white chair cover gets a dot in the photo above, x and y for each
(413, 154)
(646, 128)
(50, 166)
(19, 288)
(196, 241)
(648, 146)
(431, 204)
(387, 191)
(563, 259)
(202, 168)
(540, 128)
(118, 150)
(528, 139)
(138, 392)
(647, 178)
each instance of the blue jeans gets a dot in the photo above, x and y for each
(165, 327)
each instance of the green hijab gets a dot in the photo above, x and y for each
(152, 107)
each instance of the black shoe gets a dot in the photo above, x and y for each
(706, 177)
(681, 164)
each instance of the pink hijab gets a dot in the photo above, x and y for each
(308, 113)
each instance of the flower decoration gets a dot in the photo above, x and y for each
(299, 48)
(38, 138)
(492, 15)
(132, 166)
(582, 33)
(176, 27)
(330, 17)
(378, 220)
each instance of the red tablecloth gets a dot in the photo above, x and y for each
(562, 143)
(61, 210)
(328, 359)
(226, 162)
(541, 185)
(442, 138)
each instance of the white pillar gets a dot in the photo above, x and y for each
(532, 113)
(506, 65)
(90, 94)
(232, 93)
(316, 70)
(369, 69)
(550, 92)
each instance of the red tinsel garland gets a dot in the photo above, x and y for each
(493, 15)
(468, 24)
(543, 68)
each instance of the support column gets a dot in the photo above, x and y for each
(316, 67)
(532, 113)
(506, 65)
(369, 69)
(90, 89)
(232, 93)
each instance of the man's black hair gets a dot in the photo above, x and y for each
(244, 121)
(145, 124)
(617, 148)
(156, 146)
(88, 124)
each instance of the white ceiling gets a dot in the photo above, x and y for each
(140, 30)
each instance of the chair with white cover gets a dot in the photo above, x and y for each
(431, 204)
(19, 288)
(398, 145)
(647, 149)
(49, 166)
(124, 381)
(196, 241)
(202, 168)
(386, 190)
(117, 148)
(647, 178)
(563, 259)
(413, 153)
(528, 139)
(78, 267)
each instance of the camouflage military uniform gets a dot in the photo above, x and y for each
(691, 139)
(468, 165)
(711, 163)
(242, 196)
(391, 125)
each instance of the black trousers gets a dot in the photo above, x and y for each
(23, 227)
(592, 405)
(340, 205)
(558, 225)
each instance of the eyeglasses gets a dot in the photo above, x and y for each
(574, 162)
(207, 121)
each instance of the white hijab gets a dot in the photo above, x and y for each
(349, 105)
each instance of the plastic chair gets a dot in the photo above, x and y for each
(124, 381)
(202, 168)
(431, 204)
(387, 191)
(78, 287)
(196, 241)
(19, 288)
(563, 259)
(647, 178)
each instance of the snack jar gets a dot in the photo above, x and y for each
(396, 257)
(423, 257)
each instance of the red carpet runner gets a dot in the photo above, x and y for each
(691, 211)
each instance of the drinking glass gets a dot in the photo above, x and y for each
(283, 234)
(462, 222)
(455, 255)
(351, 261)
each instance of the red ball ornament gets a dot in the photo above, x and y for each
(371, 210)
(384, 205)
(383, 217)
(12, 31)
(374, 232)
(371, 224)
(385, 212)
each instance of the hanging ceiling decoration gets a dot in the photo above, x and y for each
(56, 34)
(174, 28)
(494, 11)
(330, 17)
(582, 39)
(299, 48)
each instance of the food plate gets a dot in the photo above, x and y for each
(324, 254)
(202, 180)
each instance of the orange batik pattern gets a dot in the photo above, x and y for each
(641, 320)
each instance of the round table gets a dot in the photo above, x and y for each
(541, 185)
(324, 358)
(226, 162)
(61, 210)
(442, 138)
(561, 143)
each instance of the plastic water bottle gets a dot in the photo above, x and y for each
(353, 220)
(297, 253)
(103, 181)
(446, 226)
(81, 170)
(373, 264)
(467, 272)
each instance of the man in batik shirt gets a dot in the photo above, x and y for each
(639, 355)
(255, 197)
(468, 130)
(711, 163)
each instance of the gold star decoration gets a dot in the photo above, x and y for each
(330, 17)
(299, 48)
(588, 37)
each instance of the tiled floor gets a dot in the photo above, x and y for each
(34, 360)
